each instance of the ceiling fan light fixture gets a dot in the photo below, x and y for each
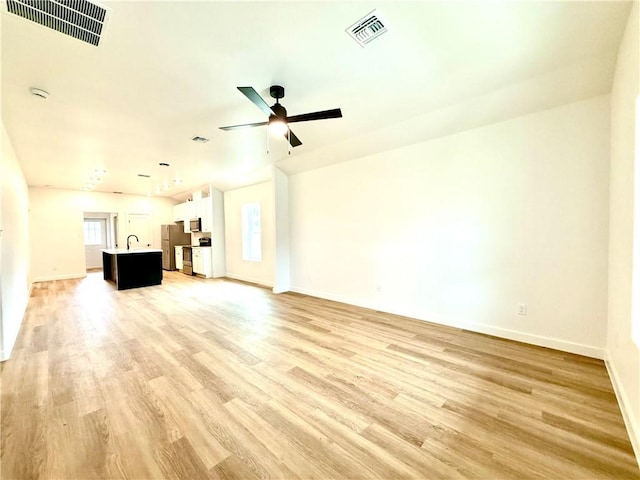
(277, 126)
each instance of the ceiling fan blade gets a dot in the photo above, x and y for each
(233, 127)
(305, 117)
(256, 99)
(293, 140)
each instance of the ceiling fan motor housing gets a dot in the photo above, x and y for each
(276, 91)
(279, 111)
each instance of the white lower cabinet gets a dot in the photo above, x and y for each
(201, 258)
(179, 258)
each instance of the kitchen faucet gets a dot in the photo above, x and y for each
(137, 240)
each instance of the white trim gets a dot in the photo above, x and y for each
(625, 407)
(249, 279)
(541, 341)
(5, 355)
(60, 277)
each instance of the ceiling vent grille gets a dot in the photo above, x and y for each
(80, 19)
(368, 28)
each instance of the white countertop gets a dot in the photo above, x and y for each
(124, 251)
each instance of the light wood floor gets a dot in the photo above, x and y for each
(218, 379)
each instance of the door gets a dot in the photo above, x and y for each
(139, 224)
(95, 239)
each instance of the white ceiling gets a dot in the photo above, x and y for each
(166, 71)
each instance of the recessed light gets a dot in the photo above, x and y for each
(38, 92)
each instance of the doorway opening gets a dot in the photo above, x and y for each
(100, 230)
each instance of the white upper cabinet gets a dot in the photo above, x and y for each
(189, 211)
(178, 212)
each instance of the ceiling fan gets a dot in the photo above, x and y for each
(278, 119)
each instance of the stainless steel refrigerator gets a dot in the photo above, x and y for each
(172, 235)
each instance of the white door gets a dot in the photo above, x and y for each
(95, 239)
(139, 224)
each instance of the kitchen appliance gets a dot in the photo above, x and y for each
(195, 224)
(204, 242)
(187, 260)
(171, 236)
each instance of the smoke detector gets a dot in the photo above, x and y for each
(368, 28)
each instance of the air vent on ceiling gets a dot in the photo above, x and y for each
(80, 19)
(368, 28)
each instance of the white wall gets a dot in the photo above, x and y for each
(256, 272)
(56, 222)
(460, 229)
(623, 356)
(15, 284)
(281, 223)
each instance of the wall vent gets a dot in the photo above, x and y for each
(368, 28)
(80, 19)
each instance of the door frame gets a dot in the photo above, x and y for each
(107, 218)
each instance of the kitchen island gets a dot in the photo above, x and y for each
(132, 268)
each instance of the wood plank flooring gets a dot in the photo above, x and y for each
(224, 380)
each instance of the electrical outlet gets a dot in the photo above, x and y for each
(522, 309)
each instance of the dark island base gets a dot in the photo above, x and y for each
(133, 270)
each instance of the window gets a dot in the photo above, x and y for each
(251, 233)
(93, 232)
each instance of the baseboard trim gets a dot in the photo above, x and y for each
(623, 402)
(242, 278)
(525, 337)
(539, 340)
(59, 277)
(5, 354)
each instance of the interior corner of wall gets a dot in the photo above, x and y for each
(628, 415)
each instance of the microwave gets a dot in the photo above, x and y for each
(195, 225)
